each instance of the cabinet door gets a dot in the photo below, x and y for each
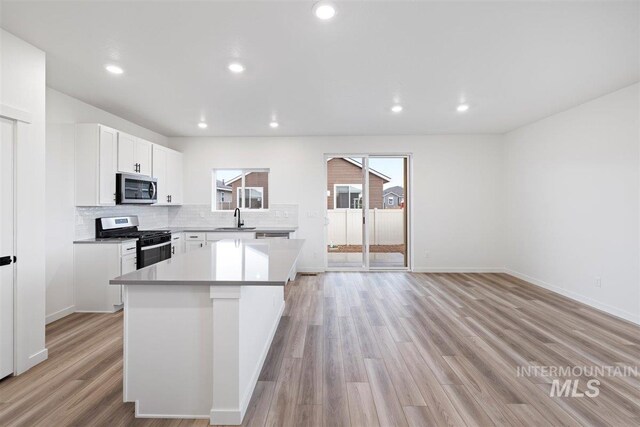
(107, 165)
(143, 156)
(128, 264)
(127, 153)
(194, 244)
(174, 175)
(159, 171)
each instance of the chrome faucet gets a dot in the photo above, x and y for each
(237, 212)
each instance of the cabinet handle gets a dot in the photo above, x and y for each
(130, 249)
(169, 199)
(173, 250)
(200, 244)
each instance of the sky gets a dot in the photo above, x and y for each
(393, 167)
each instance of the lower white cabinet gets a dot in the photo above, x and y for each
(177, 244)
(94, 265)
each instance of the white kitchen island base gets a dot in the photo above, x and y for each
(193, 351)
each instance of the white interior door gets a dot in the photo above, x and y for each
(7, 137)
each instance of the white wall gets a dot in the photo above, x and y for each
(61, 217)
(573, 202)
(458, 203)
(22, 86)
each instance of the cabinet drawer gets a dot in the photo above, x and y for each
(128, 248)
(241, 235)
(195, 236)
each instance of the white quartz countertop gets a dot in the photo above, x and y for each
(226, 262)
(109, 241)
(261, 229)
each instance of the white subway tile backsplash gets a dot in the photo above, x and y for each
(201, 215)
(149, 216)
(285, 215)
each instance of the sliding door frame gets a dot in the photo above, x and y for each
(408, 197)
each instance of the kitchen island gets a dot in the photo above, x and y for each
(197, 328)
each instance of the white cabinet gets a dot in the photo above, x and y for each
(96, 148)
(174, 177)
(134, 155)
(194, 241)
(94, 265)
(177, 244)
(101, 152)
(167, 169)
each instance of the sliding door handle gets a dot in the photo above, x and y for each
(6, 260)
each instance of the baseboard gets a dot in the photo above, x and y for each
(181, 416)
(32, 361)
(311, 270)
(60, 314)
(234, 417)
(459, 270)
(622, 314)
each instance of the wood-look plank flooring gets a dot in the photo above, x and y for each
(368, 349)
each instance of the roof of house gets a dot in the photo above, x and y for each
(220, 185)
(358, 164)
(397, 190)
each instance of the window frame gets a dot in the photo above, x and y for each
(261, 208)
(243, 173)
(335, 194)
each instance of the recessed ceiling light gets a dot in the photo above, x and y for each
(396, 108)
(274, 125)
(324, 10)
(462, 108)
(236, 67)
(202, 125)
(114, 69)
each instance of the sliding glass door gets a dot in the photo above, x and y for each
(345, 210)
(367, 212)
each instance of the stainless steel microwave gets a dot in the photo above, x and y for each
(136, 189)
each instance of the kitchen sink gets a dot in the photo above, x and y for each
(234, 228)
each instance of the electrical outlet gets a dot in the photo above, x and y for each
(598, 282)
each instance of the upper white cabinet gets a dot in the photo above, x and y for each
(101, 152)
(96, 164)
(134, 155)
(167, 169)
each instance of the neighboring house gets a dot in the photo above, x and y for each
(223, 196)
(344, 185)
(393, 197)
(256, 190)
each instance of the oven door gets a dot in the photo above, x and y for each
(136, 189)
(149, 255)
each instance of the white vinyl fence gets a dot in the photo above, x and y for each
(386, 226)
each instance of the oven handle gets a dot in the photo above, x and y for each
(146, 248)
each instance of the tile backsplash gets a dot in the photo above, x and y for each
(201, 215)
(149, 217)
(184, 216)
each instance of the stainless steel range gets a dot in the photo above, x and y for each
(153, 245)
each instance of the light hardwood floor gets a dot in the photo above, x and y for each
(372, 349)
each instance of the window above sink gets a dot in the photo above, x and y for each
(247, 189)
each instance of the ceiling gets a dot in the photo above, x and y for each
(512, 62)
